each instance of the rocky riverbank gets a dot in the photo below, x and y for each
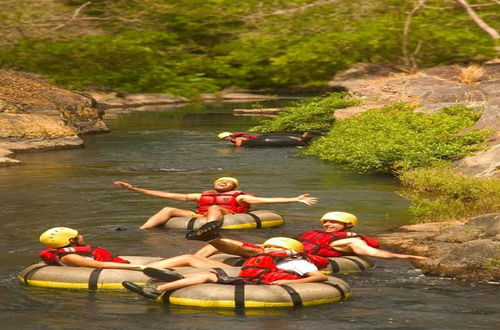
(432, 89)
(467, 250)
(37, 116)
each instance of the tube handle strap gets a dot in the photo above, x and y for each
(94, 278)
(190, 223)
(334, 265)
(296, 299)
(239, 296)
(339, 289)
(31, 272)
(258, 221)
(357, 262)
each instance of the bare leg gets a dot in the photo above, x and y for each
(228, 246)
(216, 213)
(206, 251)
(163, 215)
(187, 260)
(209, 250)
(188, 281)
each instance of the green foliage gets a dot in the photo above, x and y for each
(193, 46)
(394, 138)
(444, 194)
(130, 61)
(313, 114)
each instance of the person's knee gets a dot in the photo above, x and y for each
(211, 278)
(214, 208)
(187, 257)
(167, 209)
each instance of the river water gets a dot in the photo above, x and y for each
(177, 150)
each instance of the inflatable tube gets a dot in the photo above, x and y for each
(43, 275)
(254, 219)
(337, 265)
(259, 295)
(275, 140)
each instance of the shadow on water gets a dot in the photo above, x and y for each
(177, 150)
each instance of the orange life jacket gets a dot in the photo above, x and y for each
(53, 256)
(225, 199)
(317, 242)
(262, 268)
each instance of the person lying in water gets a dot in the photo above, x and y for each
(280, 262)
(335, 240)
(66, 247)
(239, 138)
(214, 204)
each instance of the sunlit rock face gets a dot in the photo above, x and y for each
(36, 115)
(432, 89)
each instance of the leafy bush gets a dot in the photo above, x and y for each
(131, 61)
(194, 46)
(313, 114)
(444, 194)
(394, 138)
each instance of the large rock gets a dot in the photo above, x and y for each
(467, 250)
(116, 102)
(433, 89)
(36, 115)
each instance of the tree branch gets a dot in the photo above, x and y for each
(294, 10)
(75, 14)
(479, 22)
(406, 33)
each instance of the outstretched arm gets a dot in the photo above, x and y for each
(76, 260)
(359, 247)
(159, 193)
(304, 198)
(316, 276)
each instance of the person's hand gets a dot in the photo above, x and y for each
(304, 198)
(122, 184)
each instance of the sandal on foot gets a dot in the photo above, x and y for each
(162, 274)
(146, 292)
(207, 232)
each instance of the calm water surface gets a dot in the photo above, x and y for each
(177, 150)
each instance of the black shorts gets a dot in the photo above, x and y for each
(224, 279)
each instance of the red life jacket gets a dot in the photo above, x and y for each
(53, 256)
(243, 135)
(262, 268)
(225, 199)
(317, 242)
(318, 261)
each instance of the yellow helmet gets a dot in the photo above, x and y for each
(224, 135)
(284, 243)
(57, 237)
(227, 178)
(340, 216)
